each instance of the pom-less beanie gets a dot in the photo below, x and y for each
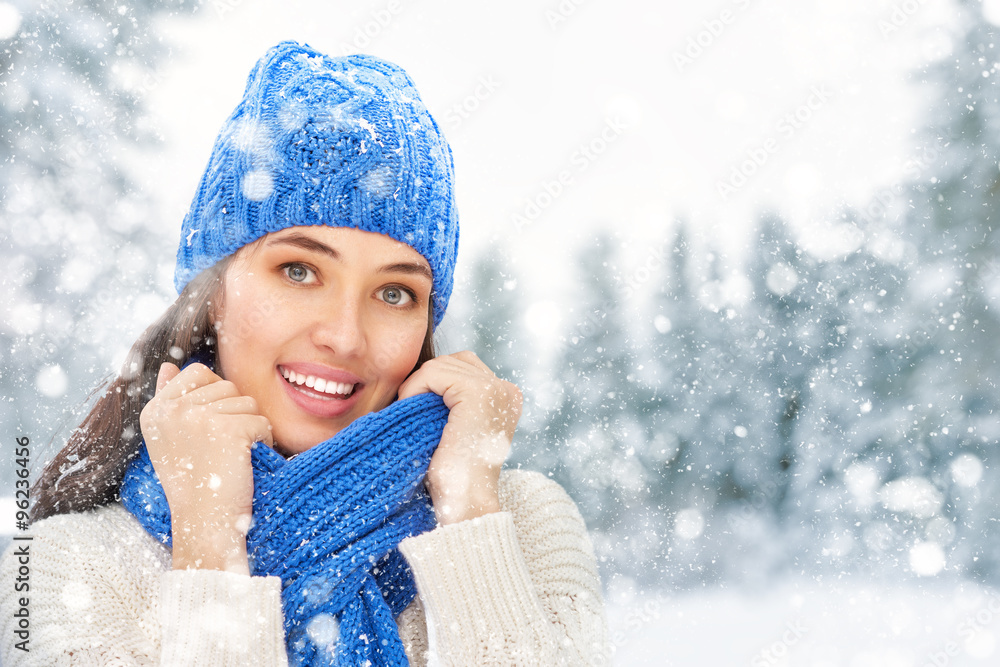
(316, 140)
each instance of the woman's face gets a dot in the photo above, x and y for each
(320, 325)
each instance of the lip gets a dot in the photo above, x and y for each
(325, 408)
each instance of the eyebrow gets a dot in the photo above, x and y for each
(312, 245)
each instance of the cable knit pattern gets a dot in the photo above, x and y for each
(524, 581)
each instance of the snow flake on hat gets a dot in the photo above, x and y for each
(315, 63)
(363, 122)
(257, 185)
(379, 182)
(251, 136)
(293, 116)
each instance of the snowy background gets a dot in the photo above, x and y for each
(740, 255)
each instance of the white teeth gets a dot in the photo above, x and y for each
(318, 384)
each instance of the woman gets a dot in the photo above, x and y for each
(287, 419)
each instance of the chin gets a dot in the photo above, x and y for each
(295, 446)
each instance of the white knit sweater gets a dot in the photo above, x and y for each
(518, 587)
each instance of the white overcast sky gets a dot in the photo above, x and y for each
(554, 85)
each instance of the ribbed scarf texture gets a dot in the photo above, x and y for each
(328, 522)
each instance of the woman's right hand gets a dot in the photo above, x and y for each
(199, 430)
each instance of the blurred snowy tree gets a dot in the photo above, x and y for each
(942, 409)
(821, 327)
(741, 372)
(494, 317)
(693, 419)
(866, 411)
(593, 439)
(844, 416)
(75, 232)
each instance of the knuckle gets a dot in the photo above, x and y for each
(498, 389)
(261, 423)
(198, 368)
(226, 384)
(509, 390)
(153, 411)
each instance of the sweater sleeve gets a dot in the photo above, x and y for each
(221, 618)
(518, 587)
(101, 592)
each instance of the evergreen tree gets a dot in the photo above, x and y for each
(591, 442)
(944, 386)
(841, 367)
(494, 320)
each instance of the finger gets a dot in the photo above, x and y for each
(167, 372)
(189, 379)
(469, 357)
(444, 373)
(235, 405)
(453, 363)
(433, 379)
(411, 387)
(210, 393)
(465, 362)
(259, 430)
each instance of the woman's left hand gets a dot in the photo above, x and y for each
(464, 472)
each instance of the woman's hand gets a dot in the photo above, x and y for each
(198, 431)
(464, 472)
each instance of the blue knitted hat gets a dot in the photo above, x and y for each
(342, 142)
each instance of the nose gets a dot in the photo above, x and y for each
(341, 327)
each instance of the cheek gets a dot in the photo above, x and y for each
(246, 323)
(396, 353)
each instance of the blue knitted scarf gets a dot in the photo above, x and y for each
(328, 523)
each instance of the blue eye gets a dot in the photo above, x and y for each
(297, 272)
(396, 296)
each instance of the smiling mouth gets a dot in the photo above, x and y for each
(318, 387)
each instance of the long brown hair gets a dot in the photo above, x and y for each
(88, 471)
